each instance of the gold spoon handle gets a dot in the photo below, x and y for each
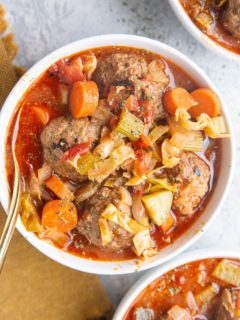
(12, 215)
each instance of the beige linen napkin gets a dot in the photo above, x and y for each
(31, 285)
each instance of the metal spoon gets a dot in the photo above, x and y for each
(14, 205)
(12, 215)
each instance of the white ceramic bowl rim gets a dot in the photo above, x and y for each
(116, 267)
(152, 275)
(199, 35)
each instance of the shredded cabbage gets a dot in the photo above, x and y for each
(135, 181)
(142, 241)
(213, 127)
(112, 214)
(104, 168)
(191, 141)
(157, 133)
(105, 231)
(160, 184)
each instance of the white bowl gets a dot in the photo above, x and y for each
(199, 226)
(151, 276)
(199, 35)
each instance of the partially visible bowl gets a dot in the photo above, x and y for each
(147, 279)
(199, 35)
(199, 226)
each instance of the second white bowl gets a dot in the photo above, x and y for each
(199, 35)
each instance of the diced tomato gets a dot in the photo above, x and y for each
(142, 142)
(148, 114)
(142, 164)
(70, 71)
(114, 122)
(79, 149)
(149, 117)
(121, 96)
(131, 103)
(116, 97)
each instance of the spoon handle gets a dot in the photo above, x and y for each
(12, 216)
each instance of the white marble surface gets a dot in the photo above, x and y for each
(41, 26)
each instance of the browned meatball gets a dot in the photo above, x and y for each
(88, 224)
(118, 67)
(61, 134)
(231, 19)
(227, 305)
(192, 176)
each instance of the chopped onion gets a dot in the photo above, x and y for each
(125, 196)
(61, 239)
(34, 186)
(102, 115)
(142, 241)
(104, 148)
(139, 212)
(191, 302)
(89, 65)
(157, 72)
(86, 191)
(105, 231)
(44, 173)
(63, 92)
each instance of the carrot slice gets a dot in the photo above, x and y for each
(84, 98)
(61, 215)
(177, 98)
(59, 188)
(207, 102)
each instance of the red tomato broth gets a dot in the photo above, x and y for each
(216, 32)
(29, 151)
(171, 288)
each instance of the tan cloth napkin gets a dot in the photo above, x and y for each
(33, 287)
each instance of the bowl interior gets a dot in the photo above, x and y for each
(151, 276)
(199, 35)
(185, 240)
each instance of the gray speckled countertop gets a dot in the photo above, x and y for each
(41, 26)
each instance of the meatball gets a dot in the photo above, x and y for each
(227, 306)
(117, 68)
(231, 18)
(151, 92)
(192, 176)
(88, 223)
(60, 135)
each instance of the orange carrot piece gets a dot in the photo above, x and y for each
(59, 188)
(83, 99)
(61, 215)
(207, 102)
(42, 114)
(177, 98)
